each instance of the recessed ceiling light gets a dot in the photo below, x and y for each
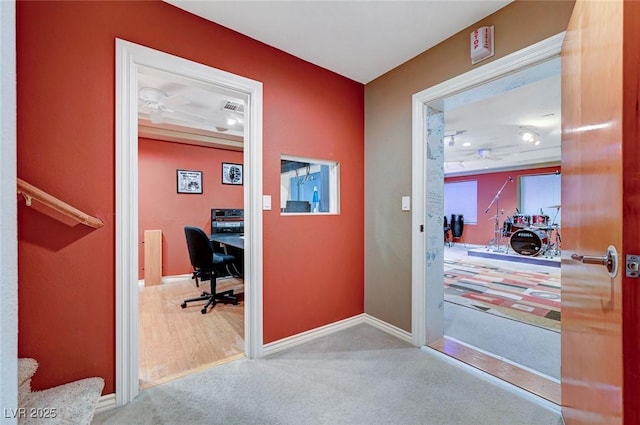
(466, 144)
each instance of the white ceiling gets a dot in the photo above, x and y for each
(362, 40)
(491, 117)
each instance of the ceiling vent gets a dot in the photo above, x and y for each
(233, 107)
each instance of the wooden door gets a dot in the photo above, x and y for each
(599, 208)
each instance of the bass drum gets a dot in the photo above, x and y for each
(529, 242)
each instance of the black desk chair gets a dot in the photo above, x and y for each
(207, 265)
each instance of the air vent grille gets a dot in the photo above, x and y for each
(233, 107)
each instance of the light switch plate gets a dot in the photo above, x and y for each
(266, 202)
(406, 203)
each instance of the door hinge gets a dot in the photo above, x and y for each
(422, 228)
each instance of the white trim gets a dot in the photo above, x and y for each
(310, 335)
(419, 260)
(106, 402)
(334, 183)
(8, 213)
(129, 57)
(388, 328)
(528, 56)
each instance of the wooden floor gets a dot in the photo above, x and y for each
(176, 341)
(508, 372)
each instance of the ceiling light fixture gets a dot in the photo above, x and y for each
(450, 136)
(451, 140)
(529, 135)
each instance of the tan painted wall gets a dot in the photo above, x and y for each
(388, 144)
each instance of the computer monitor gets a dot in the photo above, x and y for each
(298, 206)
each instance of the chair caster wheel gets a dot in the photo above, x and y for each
(203, 311)
(183, 305)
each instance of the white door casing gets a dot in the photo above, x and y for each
(129, 57)
(427, 252)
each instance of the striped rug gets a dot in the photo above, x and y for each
(529, 297)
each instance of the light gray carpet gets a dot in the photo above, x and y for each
(358, 376)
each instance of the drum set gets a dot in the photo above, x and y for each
(533, 235)
(528, 234)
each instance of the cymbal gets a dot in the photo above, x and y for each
(554, 206)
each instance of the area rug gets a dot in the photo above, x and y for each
(529, 297)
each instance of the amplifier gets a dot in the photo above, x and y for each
(227, 220)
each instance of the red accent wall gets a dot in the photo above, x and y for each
(488, 185)
(313, 266)
(162, 207)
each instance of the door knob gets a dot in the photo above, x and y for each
(610, 260)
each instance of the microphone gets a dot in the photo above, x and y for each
(510, 179)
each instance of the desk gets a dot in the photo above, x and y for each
(231, 239)
(232, 244)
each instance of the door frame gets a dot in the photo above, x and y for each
(128, 57)
(426, 312)
(9, 210)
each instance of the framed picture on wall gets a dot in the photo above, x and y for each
(189, 181)
(231, 173)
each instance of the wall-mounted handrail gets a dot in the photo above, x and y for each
(32, 193)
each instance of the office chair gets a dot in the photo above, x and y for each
(207, 265)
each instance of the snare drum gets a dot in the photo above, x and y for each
(529, 241)
(540, 220)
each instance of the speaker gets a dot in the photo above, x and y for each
(457, 225)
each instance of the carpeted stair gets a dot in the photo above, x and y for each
(72, 403)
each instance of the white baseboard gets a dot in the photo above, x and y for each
(310, 335)
(390, 329)
(106, 402)
(167, 279)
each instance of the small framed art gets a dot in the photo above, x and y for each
(189, 181)
(231, 173)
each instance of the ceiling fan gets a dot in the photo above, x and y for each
(157, 103)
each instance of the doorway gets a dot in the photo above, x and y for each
(129, 57)
(428, 312)
(186, 129)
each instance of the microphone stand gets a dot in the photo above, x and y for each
(497, 239)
